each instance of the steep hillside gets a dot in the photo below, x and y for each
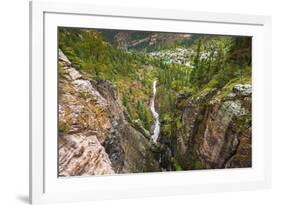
(94, 135)
(144, 41)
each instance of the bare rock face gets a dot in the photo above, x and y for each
(184, 141)
(95, 137)
(82, 155)
(129, 150)
(81, 107)
(219, 136)
(191, 112)
(219, 129)
(83, 125)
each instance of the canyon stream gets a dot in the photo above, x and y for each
(156, 130)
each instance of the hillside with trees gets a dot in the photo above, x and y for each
(203, 97)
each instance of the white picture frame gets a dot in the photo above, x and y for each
(46, 187)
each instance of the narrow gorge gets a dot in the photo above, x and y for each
(138, 102)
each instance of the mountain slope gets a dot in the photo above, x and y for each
(94, 135)
(144, 40)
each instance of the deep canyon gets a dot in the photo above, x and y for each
(144, 122)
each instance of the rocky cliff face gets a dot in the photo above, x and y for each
(95, 137)
(216, 128)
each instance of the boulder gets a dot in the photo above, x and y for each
(138, 126)
(242, 89)
(63, 58)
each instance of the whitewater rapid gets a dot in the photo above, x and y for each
(155, 115)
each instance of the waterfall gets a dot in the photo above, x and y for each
(155, 115)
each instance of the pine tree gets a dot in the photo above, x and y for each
(195, 71)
